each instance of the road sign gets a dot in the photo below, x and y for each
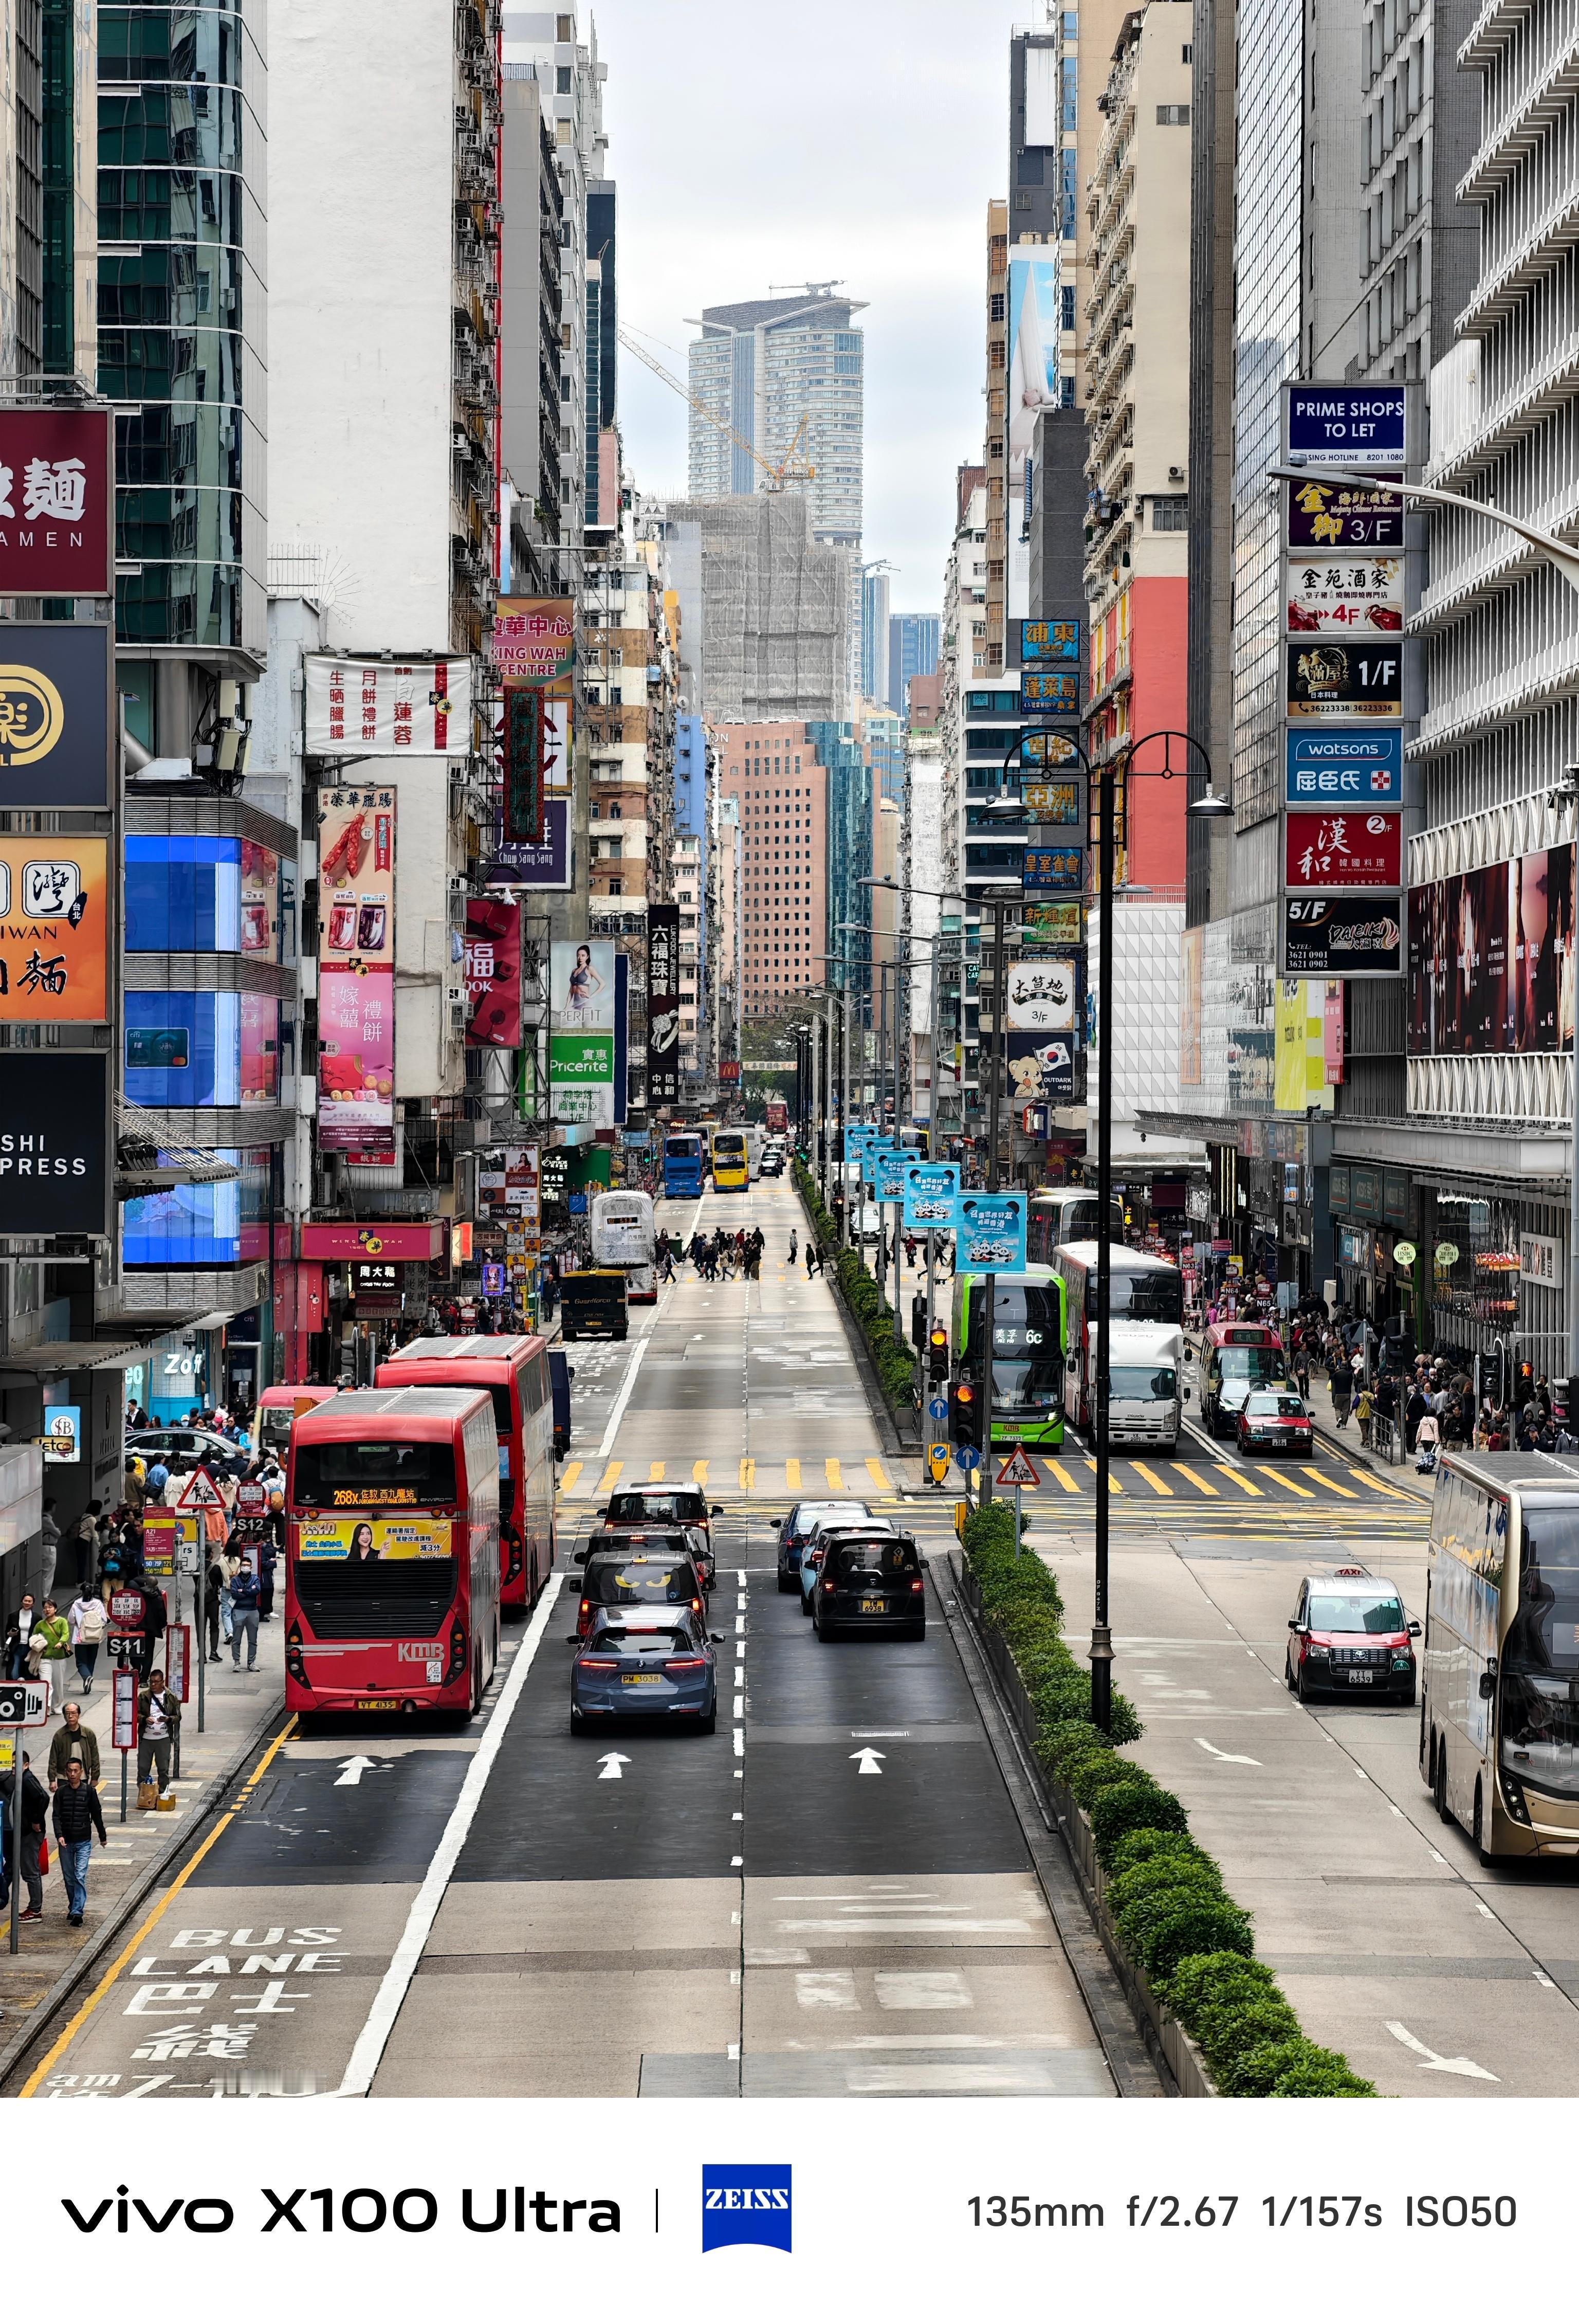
(938, 1459)
(1018, 1470)
(966, 1457)
(25, 1702)
(199, 1491)
(938, 1409)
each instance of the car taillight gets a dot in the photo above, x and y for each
(918, 1585)
(696, 1605)
(686, 1662)
(595, 1661)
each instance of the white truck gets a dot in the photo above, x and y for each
(754, 1141)
(1145, 1385)
(624, 1236)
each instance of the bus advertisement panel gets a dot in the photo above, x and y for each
(391, 1574)
(514, 1372)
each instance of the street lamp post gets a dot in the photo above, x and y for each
(1564, 558)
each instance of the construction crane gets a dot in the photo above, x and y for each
(791, 470)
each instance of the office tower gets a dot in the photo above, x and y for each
(786, 376)
(913, 652)
(875, 628)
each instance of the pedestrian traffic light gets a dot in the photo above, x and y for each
(1526, 1380)
(937, 1353)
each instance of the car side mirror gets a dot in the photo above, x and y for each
(604, 1510)
(717, 1637)
(717, 1509)
(580, 1558)
(1293, 1622)
(1187, 1393)
(1414, 1629)
(925, 1561)
(571, 1639)
(1488, 1686)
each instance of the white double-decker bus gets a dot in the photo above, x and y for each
(623, 1235)
(1146, 1364)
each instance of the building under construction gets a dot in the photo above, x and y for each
(776, 608)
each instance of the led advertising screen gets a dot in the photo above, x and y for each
(1490, 959)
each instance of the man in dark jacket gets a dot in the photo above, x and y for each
(35, 1809)
(243, 1615)
(78, 1816)
(69, 1742)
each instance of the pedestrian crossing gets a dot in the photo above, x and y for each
(1070, 1475)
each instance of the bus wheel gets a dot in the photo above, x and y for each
(476, 1683)
(1439, 1785)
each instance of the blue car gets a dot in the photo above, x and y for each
(798, 1528)
(645, 1661)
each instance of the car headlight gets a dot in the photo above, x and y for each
(1513, 1797)
(1402, 1660)
(1317, 1654)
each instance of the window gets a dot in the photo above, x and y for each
(996, 307)
(1173, 116)
(1066, 306)
(561, 80)
(1071, 191)
(1171, 512)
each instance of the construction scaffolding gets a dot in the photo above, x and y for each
(777, 608)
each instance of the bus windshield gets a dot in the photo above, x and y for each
(683, 1148)
(1253, 1364)
(727, 1143)
(404, 1474)
(1026, 1387)
(1540, 1660)
(1157, 1296)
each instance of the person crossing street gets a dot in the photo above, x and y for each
(77, 1815)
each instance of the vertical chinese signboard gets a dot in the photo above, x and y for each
(663, 1004)
(493, 973)
(57, 503)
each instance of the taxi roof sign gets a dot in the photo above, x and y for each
(1018, 1470)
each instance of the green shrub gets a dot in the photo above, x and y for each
(1160, 1875)
(1229, 2036)
(1195, 1924)
(1296, 2068)
(1098, 1772)
(1137, 1848)
(1204, 1982)
(1066, 1741)
(1139, 1805)
(1160, 1907)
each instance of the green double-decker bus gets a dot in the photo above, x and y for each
(1029, 1338)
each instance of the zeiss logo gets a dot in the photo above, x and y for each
(746, 2203)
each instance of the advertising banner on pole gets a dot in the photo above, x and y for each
(931, 1190)
(1040, 995)
(889, 1186)
(356, 876)
(990, 1233)
(493, 973)
(663, 1004)
(356, 1063)
(387, 709)
(1041, 1067)
(582, 1043)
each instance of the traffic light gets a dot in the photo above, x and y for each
(1526, 1380)
(966, 1426)
(937, 1353)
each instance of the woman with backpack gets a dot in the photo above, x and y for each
(89, 1621)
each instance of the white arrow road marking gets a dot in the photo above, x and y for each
(869, 1760)
(1233, 1758)
(612, 1764)
(1431, 2064)
(356, 1769)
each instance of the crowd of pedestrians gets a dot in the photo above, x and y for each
(720, 1256)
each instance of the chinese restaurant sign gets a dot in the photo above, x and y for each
(54, 931)
(57, 503)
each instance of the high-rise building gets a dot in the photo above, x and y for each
(772, 773)
(777, 607)
(875, 631)
(913, 652)
(787, 376)
(529, 336)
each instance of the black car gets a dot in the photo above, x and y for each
(638, 1570)
(874, 1584)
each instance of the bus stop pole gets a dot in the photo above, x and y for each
(16, 1774)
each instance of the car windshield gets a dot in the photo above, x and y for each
(1142, 1383)
(1251, 1363)
(1377, 1613)
(888, 1560)
(634, 1643)
(663, 1508)
(356, 1475)
(811, 1514)
(637, 1582)
(1274, 1408)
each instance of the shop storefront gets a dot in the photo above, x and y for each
(373, 1278)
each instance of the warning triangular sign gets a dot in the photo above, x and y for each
(1018, 1470)
(199, 1491)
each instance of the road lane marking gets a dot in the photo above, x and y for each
(1289, 1485)
(1152, 1479)
(568, 1476)
(610, 1477)
(389, 1999)
(355, 1768)
(1056, 1469)
(612, 1766)
(1201, 1482)
(655, 1475)
(1113, 1484)
(874, 1471)
(870, 1762)
(1233, 1759)
(748, 1474)
(1243, 1482)
(699, 1473)
(1393, 1493)
(1331, 1483)
(130, 1950)
(835, 1476)
(623, 1399)
(1432, 2061)
(791, 1475)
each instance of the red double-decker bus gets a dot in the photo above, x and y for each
(391, 1571)
(514, 1373)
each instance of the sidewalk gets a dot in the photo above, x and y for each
(238, 1709)
(1345, 1441)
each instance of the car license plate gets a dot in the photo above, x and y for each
(641, 1678)
(874, 1605)
(1360, 1678)
(375, 1702)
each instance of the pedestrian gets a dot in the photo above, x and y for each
(158, 1718)
(49, 1535)
(214, 1588)
(73, 1741)
(88, 1622)
(157, 1479)
(1342, 1380)
(55, 1631)
(35, 1810)
(792, 1247)
(811, 1258)
(83, 1539)
(243, 1615)
(78, 1816)
(19, 1637)
(1364, 1407)
(270, 1541)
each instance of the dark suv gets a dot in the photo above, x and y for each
(870, 1582)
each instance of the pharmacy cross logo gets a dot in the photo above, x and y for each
(746, 2203)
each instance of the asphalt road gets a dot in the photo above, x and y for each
(831, 1895)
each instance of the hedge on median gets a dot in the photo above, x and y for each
(894, 1357)
(1165, 1893)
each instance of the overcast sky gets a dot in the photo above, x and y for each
(853, 139)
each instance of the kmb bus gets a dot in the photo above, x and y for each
(684, 1166)
(624, 1235)
(1145, 1383)
(1060, 1215)
(1500, 1695)
(515, 1375)
(391, 1564)
(1028, 1344)
(732, 1162)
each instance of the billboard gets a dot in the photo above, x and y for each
(1042, 643)
(1340, 850)
(584, 1034)
(1298, 1045)
(1046, 693)
(989, 1234)
(663, 1004)
(360, 1540)
(55, 904)
(932, 1189)
(556, 743)
(534, 640)
(1345, 596)
(356, 1062)
(1059, 871)
(508, 1184)
(1345, 516)
(54, 1141)
(1491, 958)
(356, 876)
(387, 709)
(1035, 320)
(1342, 935)
(57, 503)
(493, 973)
(1040, 995)
(521, 753)
(1331, 680)
(1041, 1066)
(1047, 750)
(1057, 800)
(56, 721)
(1348, 426)
(527, 864)
(1359, 766)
